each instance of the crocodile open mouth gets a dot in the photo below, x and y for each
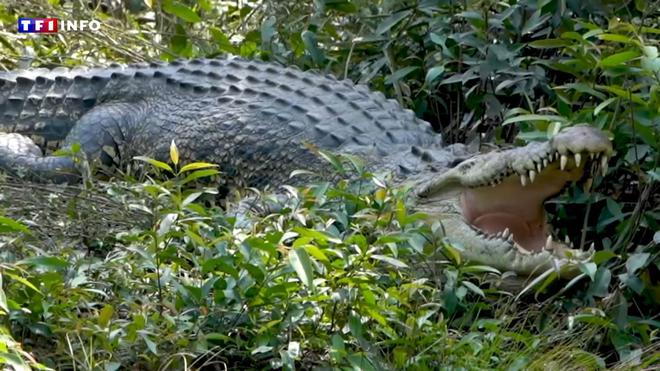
(510, 206)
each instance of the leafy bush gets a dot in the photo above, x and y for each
(325, 281)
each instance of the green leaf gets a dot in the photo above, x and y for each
(196, 166)
(589, 269)
(391, 21)
(387, 259)
(25, 282)
(480, 269)
(451, 252)
(603, 256)
(623, 93)
(594, 32)
(3, 298)
(106, 315)
(174, 153)
(601, 283)
(400, 73)
(549, 43)
(13, 360)
(534, 117)
(317, 253)
(221, 40)
(616, 38)
(619, 58)
(433, 74)
(302, 264)
(150, 344)
(311, 45)
(221, 264)
(267, 32)
(342, 6)
(474, 288)
(155, 163)
(355, 325)
(636, 261)
(199, 174)
(334, 160)
(48, 262)
(604, 104)
(181, 11)
(338, 349)
(10, 225)
(553, 129)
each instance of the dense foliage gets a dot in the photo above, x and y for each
(146, 272)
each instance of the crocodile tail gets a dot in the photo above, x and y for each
(47, 103)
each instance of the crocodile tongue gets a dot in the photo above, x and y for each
(516, 207)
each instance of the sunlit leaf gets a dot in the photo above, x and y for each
(174, 153)
(155, 163)
(105, 315)
(534, 117)
(196, 166)
(10, 225)
(619, 58)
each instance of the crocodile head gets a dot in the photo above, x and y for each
(492, 204)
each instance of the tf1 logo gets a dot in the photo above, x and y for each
(53, 25)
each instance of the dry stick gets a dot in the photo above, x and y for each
(635, 218)
(585, 221)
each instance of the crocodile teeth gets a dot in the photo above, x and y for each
(548, 243)
(603, 165)
(545, 162)
(510, 239)
(592, 248)
(592, 155)
(539, 167)
(523, 180)
(564, 161)
(523, 250)
(567, 240)
(578, 159)
(505, 234)
(532, 176)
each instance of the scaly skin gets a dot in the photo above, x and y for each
(260, 121)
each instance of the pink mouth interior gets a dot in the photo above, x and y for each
(520, 209)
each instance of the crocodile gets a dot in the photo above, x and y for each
(260, 121)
